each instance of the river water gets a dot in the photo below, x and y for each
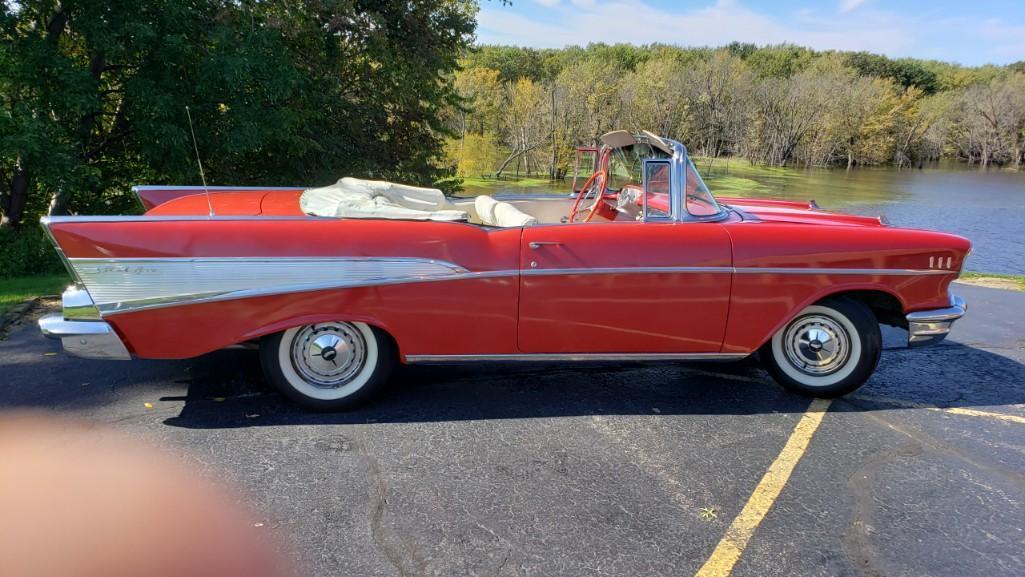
(986, 206)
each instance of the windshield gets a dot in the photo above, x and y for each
(698, 200)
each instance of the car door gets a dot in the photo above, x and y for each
(624, 287)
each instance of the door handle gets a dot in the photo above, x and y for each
(536, 244)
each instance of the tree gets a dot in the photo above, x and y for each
(715, 91)
(526, 128)
(93, 93)
(996, 119)
(788, 110)
(483, 97)
(593, 98)
(656, 93)
(917, 115)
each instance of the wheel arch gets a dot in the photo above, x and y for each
(887, 306)
(311, 319)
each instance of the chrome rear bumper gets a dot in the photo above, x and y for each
(89, 339)
(931, 327)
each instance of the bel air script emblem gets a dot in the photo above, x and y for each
(126, 269)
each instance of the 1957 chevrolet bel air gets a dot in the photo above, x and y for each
(641, 262)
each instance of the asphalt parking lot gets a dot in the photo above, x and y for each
(659, 469)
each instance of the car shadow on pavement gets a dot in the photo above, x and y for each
(226, 390)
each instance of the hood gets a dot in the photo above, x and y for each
(795, 213)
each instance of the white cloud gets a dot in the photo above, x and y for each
(1003, 39)
(548, 3)
(850, 5)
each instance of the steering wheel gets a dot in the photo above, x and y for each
(597, 182)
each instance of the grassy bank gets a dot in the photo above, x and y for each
(17, 290)
(525, 181)
(994, 280)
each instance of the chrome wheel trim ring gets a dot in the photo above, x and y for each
(816, 345)
(328, 355)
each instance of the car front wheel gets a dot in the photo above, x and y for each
(828, 350)
(328, 366)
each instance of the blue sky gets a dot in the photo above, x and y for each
(970, 32)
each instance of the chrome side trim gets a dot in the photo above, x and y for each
(843, 271)
(272, 259)
(728, 269)
(129, 284)
(86, 339)
(932, 326)
(542, 357)
(626, 270)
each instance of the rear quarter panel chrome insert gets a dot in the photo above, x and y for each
(126, 284)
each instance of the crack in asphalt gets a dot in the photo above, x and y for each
(401, 551)
(857, 543)
(948, 449)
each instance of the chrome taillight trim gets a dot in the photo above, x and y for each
(78, 305)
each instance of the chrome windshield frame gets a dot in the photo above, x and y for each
(681, 161)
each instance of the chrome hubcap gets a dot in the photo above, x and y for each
(817, 345)
(329, 355)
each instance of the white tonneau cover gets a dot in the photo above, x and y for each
(356, 198)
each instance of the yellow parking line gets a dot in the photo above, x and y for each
(954, 410)
(732, 545)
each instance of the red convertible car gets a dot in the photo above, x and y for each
(337, 284)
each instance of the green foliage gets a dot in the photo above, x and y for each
(781, 61)
(906, 72)
(474, 154)
(511, 62)
(27, 252)
(93, 94)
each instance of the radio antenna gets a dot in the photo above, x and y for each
(202, 177)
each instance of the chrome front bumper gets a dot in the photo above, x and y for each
(931, 327)
(89, 339)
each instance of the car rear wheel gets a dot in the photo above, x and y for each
(828, 350)
(328, 366)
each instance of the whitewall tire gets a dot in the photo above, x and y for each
(829, 349)
(328, 366)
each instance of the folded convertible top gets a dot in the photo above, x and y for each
(357, 198)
